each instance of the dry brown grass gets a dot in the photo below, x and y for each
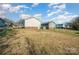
(37, 42)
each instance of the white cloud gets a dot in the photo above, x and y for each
(51, 4)
(38, 15)
(75, 15)
(63, 15)
(48, 10)
(55, 7)
(60, 9)
(67, 13)
(60, 6)
(17, 8)
(35, 4)
(10, 8)
(23, 6)
(24, 16)
(54, 13)
(3, 9)
(2, 14)
(64, 18)
(14, 9)
(21, 11)
(5, 6)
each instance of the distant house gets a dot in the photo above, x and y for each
(31, 22)
(68, 25)
(48, 25)
(59, 25)
(65, 25)
(3, 24)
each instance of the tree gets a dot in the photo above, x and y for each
(20, 23)
(9, 22)
(75, 23)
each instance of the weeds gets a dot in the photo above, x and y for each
(5, 32)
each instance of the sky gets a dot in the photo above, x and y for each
(57, 12)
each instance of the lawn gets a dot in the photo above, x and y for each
(40, 42)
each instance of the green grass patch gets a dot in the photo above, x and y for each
(5, 32)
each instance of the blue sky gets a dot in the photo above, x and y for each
(58, 12)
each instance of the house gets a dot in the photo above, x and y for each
(48, 25)
(59, 25)
(31, 22)
(68, 25)
(3, 24)
(45, 25)
(65, 25)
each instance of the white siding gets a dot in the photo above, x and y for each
(32, 22)
(52, 25)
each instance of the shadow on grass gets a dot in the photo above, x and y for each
(3, 48)
(5, 35)
(77, 33)
(32, 48)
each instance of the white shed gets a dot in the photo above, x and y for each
(48, 25)
(31, 22)
(52, 25)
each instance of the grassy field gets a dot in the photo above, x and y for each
(40, 42)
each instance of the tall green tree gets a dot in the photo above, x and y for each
(75, 23)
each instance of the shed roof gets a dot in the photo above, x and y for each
(31, 18)
(48, 22)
